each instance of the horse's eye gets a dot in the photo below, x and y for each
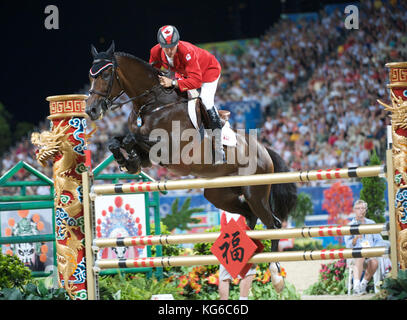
(106, 75)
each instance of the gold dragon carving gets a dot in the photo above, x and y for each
(67, 256)
(399, 120)
(398, 111)
(55, 145)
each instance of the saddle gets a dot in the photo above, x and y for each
(197, 109)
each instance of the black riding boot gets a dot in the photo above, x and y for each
(216, 126)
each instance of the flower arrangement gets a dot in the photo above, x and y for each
(332, 279)
(201, 283)
(196, 280)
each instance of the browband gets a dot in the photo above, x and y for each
(98, 67)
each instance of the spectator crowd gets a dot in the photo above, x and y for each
(317, 83)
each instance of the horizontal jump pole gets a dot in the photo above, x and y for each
(257, 258)
(270, 234)
(237, 181)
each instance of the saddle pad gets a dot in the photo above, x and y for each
(228, 135)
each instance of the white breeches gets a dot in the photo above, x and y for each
(208, 91)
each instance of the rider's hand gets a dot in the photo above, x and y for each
(165, 82)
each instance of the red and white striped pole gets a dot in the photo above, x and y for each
(270, 234)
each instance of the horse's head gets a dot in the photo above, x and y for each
(105, 83)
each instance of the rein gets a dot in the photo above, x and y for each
(164, 106)
(120, 104)
(146, 92)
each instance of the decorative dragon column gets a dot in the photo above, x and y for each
(65, 145)
(398, 109)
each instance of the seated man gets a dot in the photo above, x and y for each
(361, 241)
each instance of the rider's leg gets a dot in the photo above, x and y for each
(208, 91)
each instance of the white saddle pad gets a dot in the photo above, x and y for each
(228, 135)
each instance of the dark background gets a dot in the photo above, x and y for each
(36, 62)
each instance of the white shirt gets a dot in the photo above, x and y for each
(170, 60)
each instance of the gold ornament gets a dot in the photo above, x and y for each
(67, 256)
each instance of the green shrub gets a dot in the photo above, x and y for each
(394, 289)
(266, 291)
(33, 291)
(16, 282)
(13, 273)
(303, 208)
(302, 244)
(167, 250)
(135, 287)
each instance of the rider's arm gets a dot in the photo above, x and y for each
(155, 58)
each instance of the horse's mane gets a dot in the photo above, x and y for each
(146, 64)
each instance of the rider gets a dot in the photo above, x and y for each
(195, 68)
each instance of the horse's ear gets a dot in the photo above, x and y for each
(110, 51)
(93, 50)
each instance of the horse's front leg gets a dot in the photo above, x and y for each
(140, 145)
(114, 147)
(133, 163)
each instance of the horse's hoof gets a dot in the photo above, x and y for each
(278, 283)
(133, 164)
(134, 171)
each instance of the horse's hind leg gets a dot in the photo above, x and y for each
(258, 199)
(229, 199)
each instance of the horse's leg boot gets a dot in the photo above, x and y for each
(216, 126)
(114, 147)
(276, 278)
(133, 163)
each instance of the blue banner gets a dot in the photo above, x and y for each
(247, 111)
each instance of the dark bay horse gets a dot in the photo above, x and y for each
(154, 107)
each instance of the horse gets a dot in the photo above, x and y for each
(155, 107)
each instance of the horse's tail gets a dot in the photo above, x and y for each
(283, 198)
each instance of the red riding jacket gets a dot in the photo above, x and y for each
(192, 64)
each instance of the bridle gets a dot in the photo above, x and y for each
(110, 103)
